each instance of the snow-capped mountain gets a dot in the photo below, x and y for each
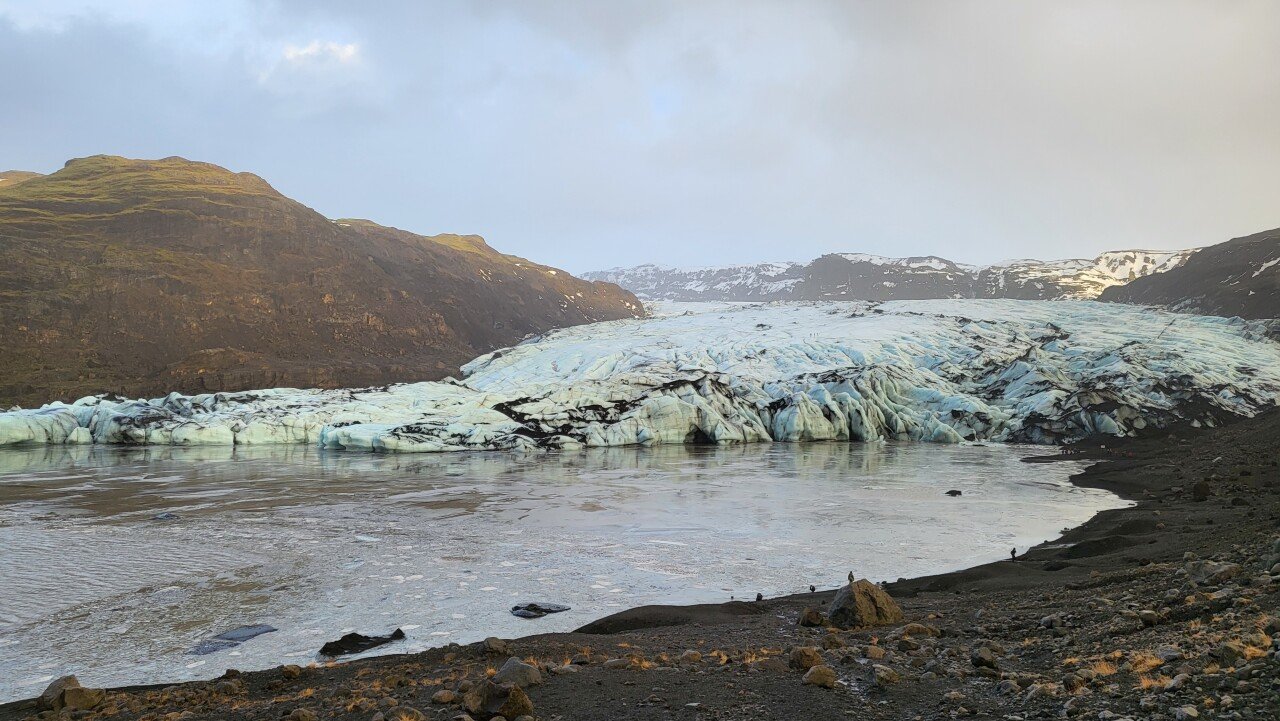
(873, 277)
(1239, 277)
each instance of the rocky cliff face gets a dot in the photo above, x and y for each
(141, 277)
(1240, 277)
(858, 276)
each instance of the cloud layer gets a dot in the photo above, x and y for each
(598, 134)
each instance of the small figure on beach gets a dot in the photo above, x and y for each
(812, 588)
(1013, 554)
(759, 596)
(851, 577)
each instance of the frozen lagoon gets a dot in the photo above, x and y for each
(317, 543)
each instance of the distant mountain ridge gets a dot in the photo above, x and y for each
(872, 277)
(147, 276)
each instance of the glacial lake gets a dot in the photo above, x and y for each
(318, 543)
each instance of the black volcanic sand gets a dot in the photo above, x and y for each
(1113, 620)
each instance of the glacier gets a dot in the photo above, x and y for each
(932, 370)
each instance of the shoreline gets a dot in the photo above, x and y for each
(1184, 502)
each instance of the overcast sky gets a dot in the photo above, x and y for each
(595, 134)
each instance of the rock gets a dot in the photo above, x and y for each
(496, 645)
(78, 698)
(230, 639)
(1229, 653)
(772, 664)
(953, 697)
(536, 609)
(811, 617)
(617, 663)
(489, 699)
(804, 658)
(1211, 572)
(291, 671)
(1185, 713)
(832, 641)
(690, 657)
(885, 676)
(302, 714)
(983, 657)
(405, 713)
(1072, 683)
(919, 629)
(875, 653)
(1201, 491)
(862, 603)
(51, 697)
(822, 676)
(954, 493)
(516, 672)
(357, 642)
(1148, 617)
(1008, 686)
(444, 695)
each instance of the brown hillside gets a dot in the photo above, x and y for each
(140, 277)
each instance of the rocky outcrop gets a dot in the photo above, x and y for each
(140, 277)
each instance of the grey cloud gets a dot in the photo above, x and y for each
(594, 134)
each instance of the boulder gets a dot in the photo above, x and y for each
(518, 673)
(67, 693)
(444, 696)
(51, 698)
(862, 603)
(488, 699)
(804, 658)
(78, 698)
(885, 676)
(810, 617)
(404, 713)
(919, 630)
(983, 657)
(822, 676)
(1211, 572)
